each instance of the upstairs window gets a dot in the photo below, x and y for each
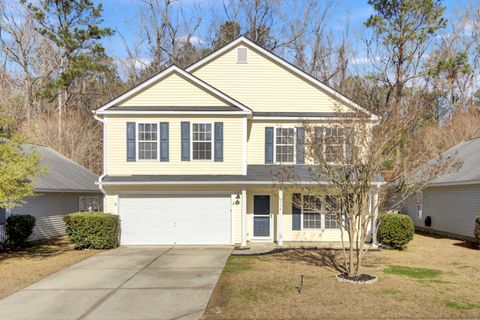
(285, 145)
(334, 144)
(147, 141)
(202, 141)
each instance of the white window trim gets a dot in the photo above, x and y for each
(322, 213)
(212, 141)
(137, 142)
(294, 145)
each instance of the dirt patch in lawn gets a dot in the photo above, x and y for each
(432, 278)
(20, 268)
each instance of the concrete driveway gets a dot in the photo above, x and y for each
(125, 283)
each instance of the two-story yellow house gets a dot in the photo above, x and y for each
(192, 156)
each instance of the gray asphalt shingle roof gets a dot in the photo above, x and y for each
(63, 174)
(468, 152)
(255, 174)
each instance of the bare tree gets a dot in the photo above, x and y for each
(23, 46)
(346, 159)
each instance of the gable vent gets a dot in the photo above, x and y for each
(242, 55)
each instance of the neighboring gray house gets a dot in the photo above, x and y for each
(452, 201)
(66, 187)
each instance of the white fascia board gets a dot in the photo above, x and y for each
(139, 112)
(285, 64)
(166, 73)
(313, 118)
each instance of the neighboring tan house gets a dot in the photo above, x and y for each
(191, 156)
(450, 203)
(66, 187)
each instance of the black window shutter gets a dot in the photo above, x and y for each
(268, 145)
(218, 141)
(296, 211)
(300, 146)
(131, 153)
(164, 141)
(185, 140)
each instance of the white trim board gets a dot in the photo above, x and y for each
(243, 40)
(173, 69)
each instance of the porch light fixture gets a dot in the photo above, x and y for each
(237, 199)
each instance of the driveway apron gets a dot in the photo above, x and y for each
(166, 282)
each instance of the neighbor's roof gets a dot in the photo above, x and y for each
(256, 174)
(63, 174)
(468, 152)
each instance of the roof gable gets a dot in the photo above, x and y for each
(173, 90)
(282, 86)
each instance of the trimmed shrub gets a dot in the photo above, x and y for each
(96, 230)
(18, 229)
(395, 230)
(477, 230)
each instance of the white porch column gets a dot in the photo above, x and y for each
(280, 218)
(244, 218)
(375, 219)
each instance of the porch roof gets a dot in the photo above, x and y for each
(256, 174)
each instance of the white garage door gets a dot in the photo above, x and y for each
(175, 219)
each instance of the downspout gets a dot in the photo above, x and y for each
(100, 178)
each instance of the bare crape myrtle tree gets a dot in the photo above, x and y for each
(346, 160)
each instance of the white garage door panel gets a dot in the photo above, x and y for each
(176, 219)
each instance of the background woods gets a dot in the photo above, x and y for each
(411, 59)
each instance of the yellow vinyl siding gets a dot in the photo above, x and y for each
(117, 163)
(264, 85)
(236, 209)
(174, 90)
(110, 204)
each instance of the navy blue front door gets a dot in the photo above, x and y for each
(261, 216)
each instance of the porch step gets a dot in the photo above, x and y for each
(257, 248)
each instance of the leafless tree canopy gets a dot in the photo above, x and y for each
(439, 73)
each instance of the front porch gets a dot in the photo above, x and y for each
(270, 219)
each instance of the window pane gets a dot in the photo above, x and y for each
(285, 139)
(82, 204)
(312, 220)
(202, 141)
(331, 221)
(147, 141)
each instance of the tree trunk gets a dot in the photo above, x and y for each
(59, 120)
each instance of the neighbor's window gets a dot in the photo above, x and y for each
(334, 144)
(312, 218)
(285, 145)
(90, 204)
(202, 141)
(147, 141)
